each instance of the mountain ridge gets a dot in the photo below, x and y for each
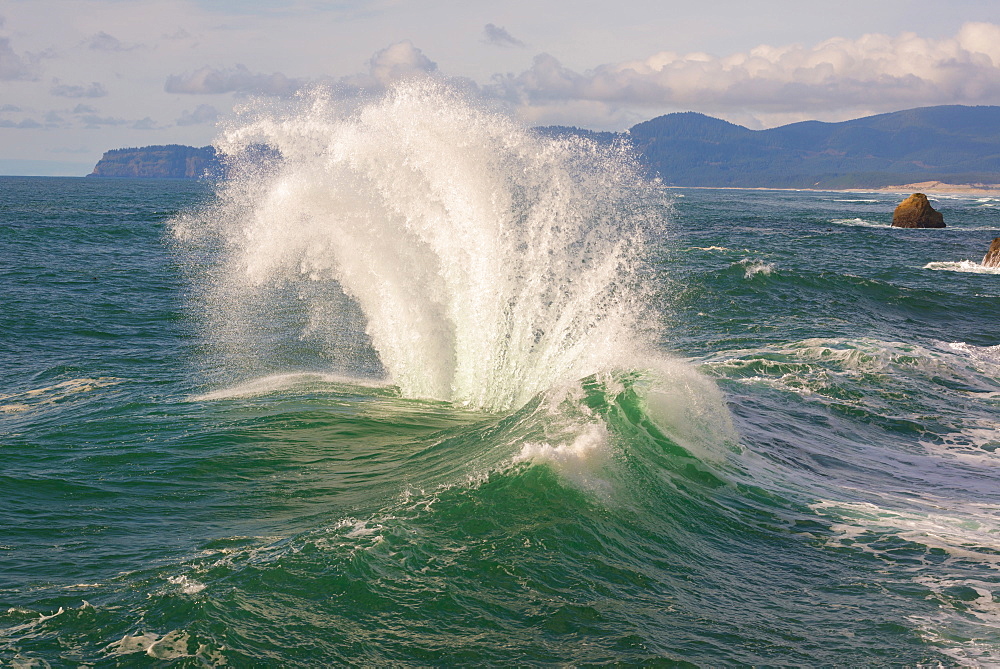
(948, 143)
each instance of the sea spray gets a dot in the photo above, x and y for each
(480, 262)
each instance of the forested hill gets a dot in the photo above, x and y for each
(954, 144)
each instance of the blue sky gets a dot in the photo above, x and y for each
(78, 77)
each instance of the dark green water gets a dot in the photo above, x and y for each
(816, 484)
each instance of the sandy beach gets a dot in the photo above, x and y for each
(936, 187)
(927, 187)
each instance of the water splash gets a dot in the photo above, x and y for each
(481, 262)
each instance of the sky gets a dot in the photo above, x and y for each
(79, 77)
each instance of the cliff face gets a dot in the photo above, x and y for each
(158, 162)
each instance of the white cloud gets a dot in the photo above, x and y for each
(201, 114)
(94, 90)
(873, 71)
(609, 67)
(24, 124)
(399, 60)
(209, 81)
(498, 36)
(95, 121)
(12, 65)
(179, 34)
(102, 41)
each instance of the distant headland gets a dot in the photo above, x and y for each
(954, 145)
(172, 161)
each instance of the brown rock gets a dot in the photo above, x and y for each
(992, 257)
(916, 212)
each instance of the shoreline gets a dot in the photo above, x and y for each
(926, 187)
(938, 187)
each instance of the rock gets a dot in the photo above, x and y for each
(916, 212)
(992, 257)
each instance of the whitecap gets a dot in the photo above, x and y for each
(987, 353)
(591, 441)
(753, 268)
(858, 222)
(581, 459)
(187, 586)
(967, 266)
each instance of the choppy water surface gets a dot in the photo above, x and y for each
(435, 391)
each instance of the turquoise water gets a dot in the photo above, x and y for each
(763, 432)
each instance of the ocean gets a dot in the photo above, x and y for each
(435, 391)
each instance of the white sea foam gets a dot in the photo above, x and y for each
(958, 540)
(989, 354)
(971, 535)
(876, 377)
(362, 528)
(863, 355)
(962, 266)
(755, 267)
(17, 629)
(187, 585)
(591, 440)
(485, 264)
(976, 444)
(173, 645)
(858, 222)
(21, 662)
(47, 395)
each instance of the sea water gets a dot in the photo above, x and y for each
(432, 390)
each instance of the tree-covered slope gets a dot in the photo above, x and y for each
(948, 143)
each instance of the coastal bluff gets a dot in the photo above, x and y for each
(172, 161)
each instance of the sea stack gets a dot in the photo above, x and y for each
(916, 212)
(992, 257)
